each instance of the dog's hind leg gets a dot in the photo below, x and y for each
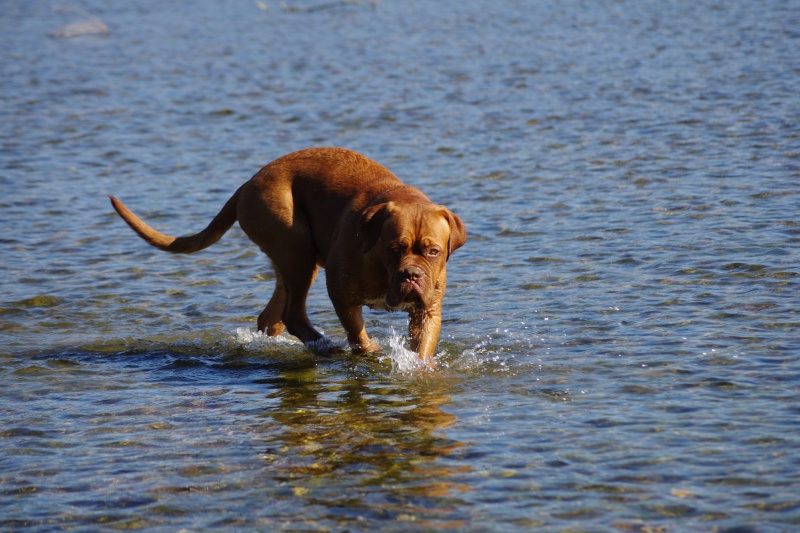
(284, 234)
(297, 283)
(271, 318)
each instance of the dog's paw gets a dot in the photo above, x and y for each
(368, 347)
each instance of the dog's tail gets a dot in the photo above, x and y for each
(181, 245)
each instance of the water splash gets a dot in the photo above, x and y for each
(403, 360)
(483, 356)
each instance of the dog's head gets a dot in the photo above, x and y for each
(415, 243)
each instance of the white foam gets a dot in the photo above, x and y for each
(252, 338)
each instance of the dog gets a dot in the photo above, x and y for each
(383, 243)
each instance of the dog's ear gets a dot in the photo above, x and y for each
(458, 234)
(372, 220)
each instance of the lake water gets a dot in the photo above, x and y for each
(621, 339)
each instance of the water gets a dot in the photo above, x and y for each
(619, 350)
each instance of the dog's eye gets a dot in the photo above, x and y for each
(433, 252)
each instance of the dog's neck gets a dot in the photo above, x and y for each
(372, 201)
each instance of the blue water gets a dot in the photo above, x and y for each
(620, 342)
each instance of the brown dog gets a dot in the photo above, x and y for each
(384, 244)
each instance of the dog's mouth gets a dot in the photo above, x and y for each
(407, 293)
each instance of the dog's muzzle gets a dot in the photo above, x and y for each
(407, 288)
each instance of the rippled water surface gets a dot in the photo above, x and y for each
(620, 349)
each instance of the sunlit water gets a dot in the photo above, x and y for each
(620, 343)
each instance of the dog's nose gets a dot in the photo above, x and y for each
(411, 274)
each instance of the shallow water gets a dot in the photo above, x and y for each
(619, 350)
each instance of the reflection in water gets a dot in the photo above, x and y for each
(380, 440)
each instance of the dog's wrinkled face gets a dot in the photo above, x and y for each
(415, 243)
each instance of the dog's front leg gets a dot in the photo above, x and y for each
(423, 328)
(424, 323)
(352, 319)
